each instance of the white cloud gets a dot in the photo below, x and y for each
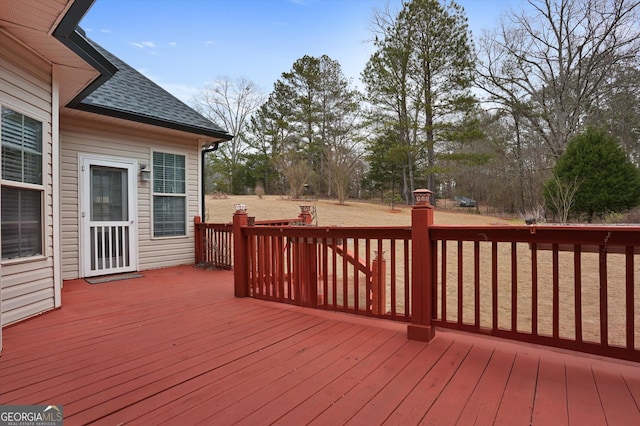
(104, 30)
(173, 43)
(143, 44)
(209, 43)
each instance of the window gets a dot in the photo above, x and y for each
(22, 189)
(169, 195)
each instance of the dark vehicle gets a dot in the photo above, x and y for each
(466, 202)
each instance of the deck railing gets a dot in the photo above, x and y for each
(564, 286)
(355, 270)
(214, 241)
(213, 244)
(572, 287)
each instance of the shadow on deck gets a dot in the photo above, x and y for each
(176, 347)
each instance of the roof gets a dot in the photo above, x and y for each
(122, 92)
(130, 95)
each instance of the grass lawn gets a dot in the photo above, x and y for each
(330, 213)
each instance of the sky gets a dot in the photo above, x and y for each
(183, 45)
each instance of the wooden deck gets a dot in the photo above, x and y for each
(176, 347)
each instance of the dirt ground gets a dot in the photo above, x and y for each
(355, 213)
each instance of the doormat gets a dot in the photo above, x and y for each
(115, 277)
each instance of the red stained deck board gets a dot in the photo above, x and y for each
(245, 372)
(383, 404)
(115, 365)
(517, 401)
(359, 396)
(482, 405)
(361, 346)
(633, 384)
(617, 402)
(583, 401)
(117, 393)
(295, 357)
(414, 407)
(550, 405)
(281, 380)
(325, 397)
(151, 350)
(457, 392)
(137, 350)
(130, 368)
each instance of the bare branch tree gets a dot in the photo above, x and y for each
(231, 103)
(562, 196)
(297, 171)
(548, 62)
(343, 163)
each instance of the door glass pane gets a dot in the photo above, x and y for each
(109, 198)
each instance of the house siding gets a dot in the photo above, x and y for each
(88, 137)
(26, 87)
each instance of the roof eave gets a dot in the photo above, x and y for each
(70, 35)
(220, 136)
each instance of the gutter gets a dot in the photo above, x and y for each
(203, 154)
(73, 37)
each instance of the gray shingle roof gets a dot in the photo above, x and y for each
(130, 95)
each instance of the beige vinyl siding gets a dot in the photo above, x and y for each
(26, 87)
(120, 141)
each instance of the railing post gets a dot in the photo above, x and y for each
(378, 284)
(310, 274)
(240, 275)
(420, 327)
(199, 239)
(305, 215)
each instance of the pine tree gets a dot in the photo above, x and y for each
(420, 77)
(609, 182)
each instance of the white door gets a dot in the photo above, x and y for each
(108, 217)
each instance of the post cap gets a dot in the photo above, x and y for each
(422, 196)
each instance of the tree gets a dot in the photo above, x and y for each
(420, 77)
(618, 109)
(343, 163)
(273, 133)
(561, 196)
(545, 65)
(231, 103)
(609, 182)
(297, 172)
(385, 157)
(311, 111)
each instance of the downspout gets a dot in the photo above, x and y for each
(203, 153)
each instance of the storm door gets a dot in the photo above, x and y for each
(108, 216)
